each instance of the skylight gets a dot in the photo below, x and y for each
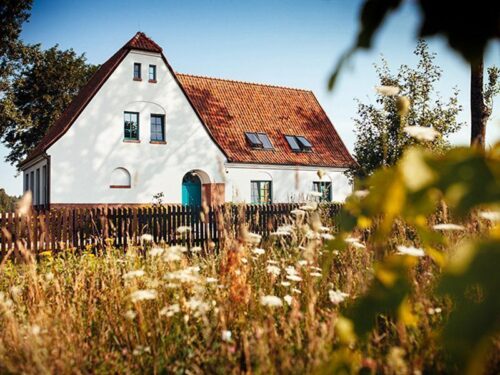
(304, 143)
(266, 143)
(298, 143)
(259, 140)
(254, 140)
(292, 142)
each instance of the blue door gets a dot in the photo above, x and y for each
(191, 190)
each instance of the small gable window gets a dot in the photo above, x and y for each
(152, 73)
(261, 192)
(325, 188)
(137, 71)
(298, 143)
(120, 179)
(131, 126)
(157, 128)
(259, 140)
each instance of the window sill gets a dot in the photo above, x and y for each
(158, 142)
(119, 186)
(138, 79)
(131, 141)
(152, 81)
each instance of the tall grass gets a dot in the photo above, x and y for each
(264, 306)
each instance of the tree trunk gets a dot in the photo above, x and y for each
(477, 106)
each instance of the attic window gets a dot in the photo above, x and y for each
(298, 143)
(137, 71)
(259, 140)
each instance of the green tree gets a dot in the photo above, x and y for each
(481, 100)
(380, 135)
(7, 202)
(38, 92)
(13, 14)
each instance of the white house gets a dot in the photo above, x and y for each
(138, 128)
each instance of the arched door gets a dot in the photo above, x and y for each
(191, 189)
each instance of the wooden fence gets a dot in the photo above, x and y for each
(78, 228)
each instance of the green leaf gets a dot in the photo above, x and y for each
(472, 281)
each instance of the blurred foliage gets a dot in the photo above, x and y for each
(462, 180)
(380, 138)
(467, 26)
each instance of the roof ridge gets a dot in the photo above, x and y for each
(141, 41)
(244, 82)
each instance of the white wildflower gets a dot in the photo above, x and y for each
(448, 226)
(316, 274)
(35, 330)
(310, 206)
(130, 315)
(351, 239)
(146, 238)
(258, 251)
(493, 216)
(285, 283)
(156, 251)
(198, 306)
(226, 335)
(327, 236)
(244, 260)
(298, 212)
(24, 204)
(273, 270)
(271, 301)
(288, 299)
(412, 251)
(139, 350)
(196, 249)
(291, 270)
(142, 295)
(387, 90)
(422, 133)
(270, 261)
(183, 229)
(133, 274)
(170, 310)
(296, 291)
(293, 277)
(315, 194)
(361, 193)
(210, 280)
(336, 296)
(253, 238)
(172, 254)
(316, 268)
(186, 275)
(302, 263)
(49, 276)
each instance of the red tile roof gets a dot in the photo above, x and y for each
(228, 109)
(231, 108)
(142, 42)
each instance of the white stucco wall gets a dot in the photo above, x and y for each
(289, 184)
(83, 159)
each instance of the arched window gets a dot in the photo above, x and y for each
(120, 179)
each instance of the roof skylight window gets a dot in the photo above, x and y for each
(259, 140)
(298, 143)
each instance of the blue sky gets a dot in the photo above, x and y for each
(290, 43)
